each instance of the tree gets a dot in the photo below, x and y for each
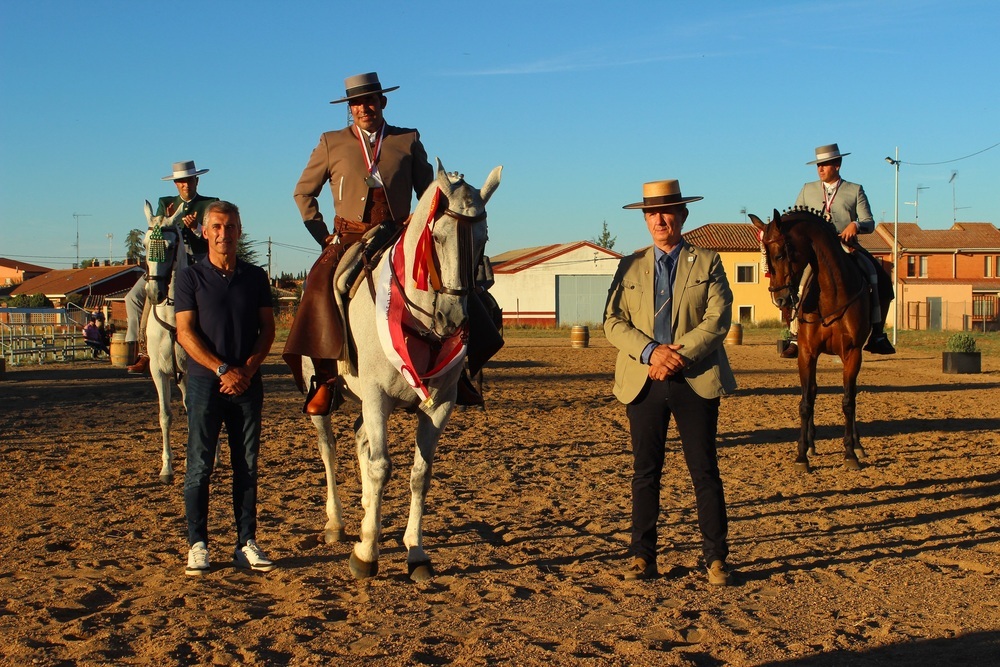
(605, 240)
(134, 249)
(245, 251)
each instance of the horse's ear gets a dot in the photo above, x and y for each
(172, 219)
(757, 222)
(149, 213)
(491, 184)
(444, 183)
(777, 217)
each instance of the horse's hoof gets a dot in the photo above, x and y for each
(802, 467)
(852, 464)
(166, 479)
(421, 571)
(860, 452)
(362, 570)
(333, 536)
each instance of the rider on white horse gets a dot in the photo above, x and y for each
(192, 207)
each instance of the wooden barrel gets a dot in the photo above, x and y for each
(579, 336)
(122, 352)
(735, 335)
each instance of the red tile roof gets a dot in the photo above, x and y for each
(725, 237)
(18, 265)
(961, 236)
(69, 281)
(514, 261)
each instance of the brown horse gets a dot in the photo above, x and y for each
(833, 311)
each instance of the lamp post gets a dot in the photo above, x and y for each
(895, 247)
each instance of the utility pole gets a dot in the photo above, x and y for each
(110, 254)
(269, 258)
(77, 216)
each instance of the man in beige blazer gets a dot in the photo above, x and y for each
(668, 312)
(373, 170)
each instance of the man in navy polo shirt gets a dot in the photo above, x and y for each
(225, 322)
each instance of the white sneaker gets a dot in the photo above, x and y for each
(197, 560)
(253, 557)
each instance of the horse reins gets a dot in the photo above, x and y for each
(825, 321)
(158, 254)
(466, 266)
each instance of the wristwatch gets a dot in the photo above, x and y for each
(221, 370)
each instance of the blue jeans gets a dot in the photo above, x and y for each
(208, 410)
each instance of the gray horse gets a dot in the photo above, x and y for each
(409, 344)
(165, 256)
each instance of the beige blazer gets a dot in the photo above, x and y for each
(850, 205)
(701, 315)
(338, 160)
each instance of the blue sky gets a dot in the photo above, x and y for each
(581, 102)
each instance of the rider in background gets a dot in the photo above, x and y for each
(192, 205)
(846, 206)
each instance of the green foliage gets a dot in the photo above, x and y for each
(605, 240)
(29, 301)
(134, 249)
(961, 342)
(245, 250)
(786, 334)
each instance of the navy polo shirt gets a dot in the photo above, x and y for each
(228, 320)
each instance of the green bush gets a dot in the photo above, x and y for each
(961, 342)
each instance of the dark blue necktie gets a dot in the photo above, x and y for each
(664, 291)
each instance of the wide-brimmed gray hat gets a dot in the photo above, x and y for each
(658, 194)
(827, 153)
(360, 85)
(184, 170)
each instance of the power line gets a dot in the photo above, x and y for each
(931, 164)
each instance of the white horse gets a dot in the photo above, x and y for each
(422, 284)
(165, 255)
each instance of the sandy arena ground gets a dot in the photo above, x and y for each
(527, 525)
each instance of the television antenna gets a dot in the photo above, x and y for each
(77, 216)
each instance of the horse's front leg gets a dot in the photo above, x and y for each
(429, 428)
(163, 392)
(807, 428)
(375, 467)
(852, 443)
(333, 531)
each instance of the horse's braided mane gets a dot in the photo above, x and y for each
(808, 215)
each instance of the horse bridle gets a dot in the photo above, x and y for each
(157, 252)
(466, 263)
(793, 284)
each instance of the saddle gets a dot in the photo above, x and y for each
(354, 270)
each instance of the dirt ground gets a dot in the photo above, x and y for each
(527, 525)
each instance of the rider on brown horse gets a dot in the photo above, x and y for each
(846, 206)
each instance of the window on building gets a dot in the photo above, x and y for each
(745, 314)
(923, 267)
(988, 266)
(746, 273)
(911, 266)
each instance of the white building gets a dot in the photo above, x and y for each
(556, 285)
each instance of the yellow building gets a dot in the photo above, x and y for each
(739, 249)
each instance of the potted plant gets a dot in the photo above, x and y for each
(961, 355)
(785, 340)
